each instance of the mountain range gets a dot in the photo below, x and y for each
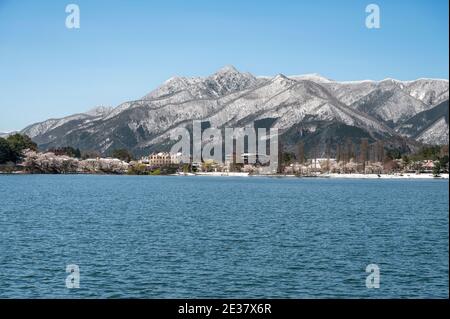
(309, 108)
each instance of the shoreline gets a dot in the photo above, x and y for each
(390, 176)
(331, 175)
(411, 176)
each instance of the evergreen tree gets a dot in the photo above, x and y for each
(19, 142)
(7, 154)
(122, 154)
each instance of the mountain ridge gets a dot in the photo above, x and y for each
(230, 97)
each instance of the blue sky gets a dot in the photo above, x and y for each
(124, 49)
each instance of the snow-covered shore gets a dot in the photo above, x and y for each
(229, 174)
(334, 175)
(387, 176)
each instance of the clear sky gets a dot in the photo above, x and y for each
(124, 49)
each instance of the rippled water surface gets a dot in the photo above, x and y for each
(158, 237)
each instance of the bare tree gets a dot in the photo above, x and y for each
(363, 150)
(349, 149)
(315, 157)
(301, 152)
(380, 151)
(338, 153)
(327, 154)
(280, 157)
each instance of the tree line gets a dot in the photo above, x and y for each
(11, 148)
(363, 153)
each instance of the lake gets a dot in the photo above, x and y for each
(222, 237)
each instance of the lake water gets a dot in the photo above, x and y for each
(207, 237)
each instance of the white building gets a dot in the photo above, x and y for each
(162, 159)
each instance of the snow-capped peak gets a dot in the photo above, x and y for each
(390, 80)
(314, 77)
(227, 69)
(283, 80)
(99, 110)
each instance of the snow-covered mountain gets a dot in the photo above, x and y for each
(44, 127)
(5, 135)
(429, 126)
(297, 105)
(437, 133)
(225, 81)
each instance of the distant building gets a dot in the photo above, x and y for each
(177, 158)
(159, 159)
(162, 159)
(427, 166)
(322, 163)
